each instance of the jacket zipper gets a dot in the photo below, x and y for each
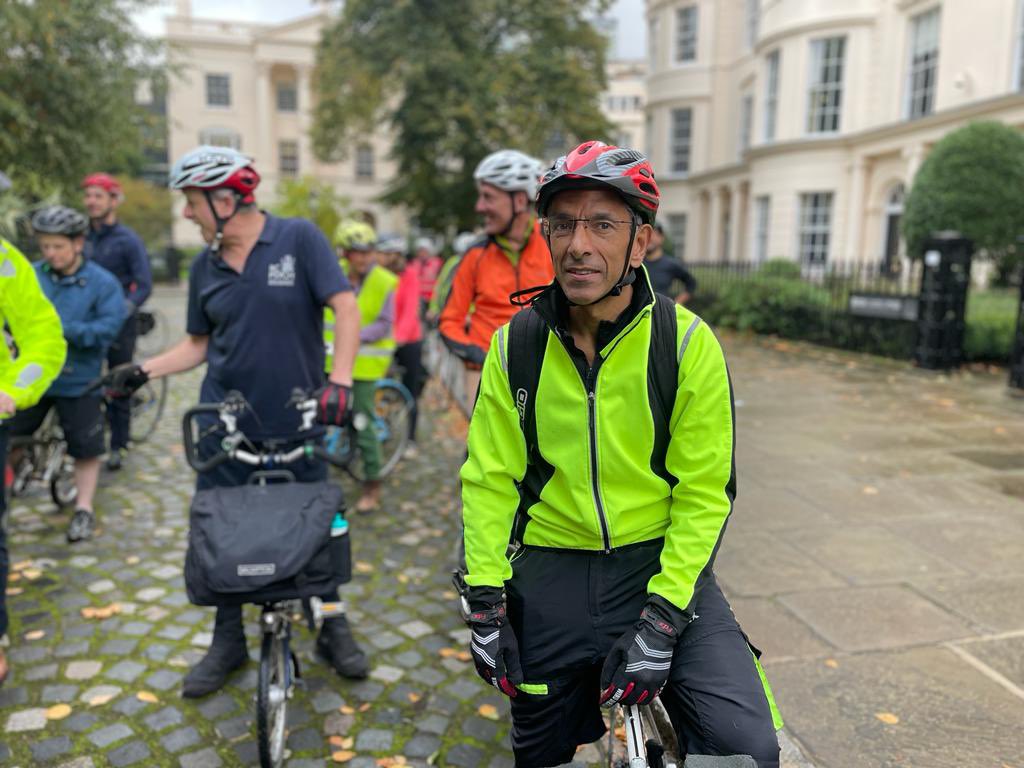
(591, 385)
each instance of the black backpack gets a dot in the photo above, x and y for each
(528, 335)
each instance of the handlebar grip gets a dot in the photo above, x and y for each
(191, 451)
(322, 453)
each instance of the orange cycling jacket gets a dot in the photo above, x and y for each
(478, 303)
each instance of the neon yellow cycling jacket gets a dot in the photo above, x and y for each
(595, 486)
(35, 326)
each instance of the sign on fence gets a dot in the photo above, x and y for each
(884, 306)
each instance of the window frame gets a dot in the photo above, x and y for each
(209, 91)
(211, 135)
(672, 148)
(282, 171)
(911, 101)
(762, 228)
(746, 122)
(693, 37)
(773, 67)
(358, 165)
(819, 64)
(678, 240)
(806, 227)
(294, 88)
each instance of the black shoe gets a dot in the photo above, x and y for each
(115, 459)
(82, 523)
(212, 671)
(337, 647)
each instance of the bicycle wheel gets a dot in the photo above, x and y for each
(147, 406)
(272, 700)
(661, 743)
(62, 489)
(154, 335)
(393, 405)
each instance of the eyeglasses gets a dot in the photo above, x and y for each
(561, 228)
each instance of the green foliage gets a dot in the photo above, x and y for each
(991, 323)
(454, 82)
(68, 72)
(311, 199)
(972, 182)
(147, 209)
(781, 268)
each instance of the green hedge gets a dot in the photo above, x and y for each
(991, 323)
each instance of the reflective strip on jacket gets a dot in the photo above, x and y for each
(562, 503)
(35, 327)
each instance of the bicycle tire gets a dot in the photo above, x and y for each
(662, 751)
(271, 714)
(63, 490)
(147, 406)
(156, 341)
(393, 406)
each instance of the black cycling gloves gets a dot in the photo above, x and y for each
(334, 404)
(123, 380)
(493, 644)
(639, 663)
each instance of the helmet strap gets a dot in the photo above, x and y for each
(219, 234)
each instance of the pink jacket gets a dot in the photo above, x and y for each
(407, 327)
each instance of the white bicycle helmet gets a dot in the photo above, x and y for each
(208, 167)
(510, 170)
(463, 242)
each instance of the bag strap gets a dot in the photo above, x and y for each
(527, 342)
(662, 379)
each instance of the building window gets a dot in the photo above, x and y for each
(364, 161)
(924, 64)
(746, 121)
(771, 94)
(826, 89)
(815, 226)
(762, 217)
(753, 22)
(679, 151)
(652, 41)
(220, 137)
(287, 97)
(686, 34)
(288, 157)
(218, 90)
(677, 234)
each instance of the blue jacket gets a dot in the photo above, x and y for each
(91, 309)
(121, 252)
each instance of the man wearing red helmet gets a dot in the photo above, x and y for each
(602, 445)
(255, 317)
(121, 252)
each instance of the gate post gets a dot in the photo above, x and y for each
(1017, 352)
(943, 304)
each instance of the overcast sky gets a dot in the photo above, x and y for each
(629, 14)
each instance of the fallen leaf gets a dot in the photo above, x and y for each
(362, 567)
(945, 402)
(402, 579)
(489, 711)
(365, 706)
(1000, 431)
(31, 573)
(415, 697)
(342, 756)
(12, 591)
(869, 490)
(342, 742)
(133, 560)
(887, 717)
(22, 565)
(831, 663)
(147, 697)
(449, 594)
(463, 655)
(390, 762)
(58, 712)
(346, 710)
(96, 701)
(447, 653)
(620, 733)
(14, 576)
(35, 634)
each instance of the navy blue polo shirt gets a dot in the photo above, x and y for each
(266, 324)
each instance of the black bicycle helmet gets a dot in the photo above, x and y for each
(59, 220)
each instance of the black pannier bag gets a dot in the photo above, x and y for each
(264, 543)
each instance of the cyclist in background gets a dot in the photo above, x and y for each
(513, 257)
(665, 270)
(36, 332)
(355, 242)
(619, 498)
(408, 328)
(90, 304)
(255, 316)
(121, 252)
(462, 243)
(428, 264)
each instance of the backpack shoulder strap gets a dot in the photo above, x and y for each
(527, 342)
(662, 378)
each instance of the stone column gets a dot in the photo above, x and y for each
(714, 241)
(855, 210)
(736, 217)
(305, 93)
(264, 151)
(914, 156)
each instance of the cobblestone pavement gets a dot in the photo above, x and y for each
(848, 560)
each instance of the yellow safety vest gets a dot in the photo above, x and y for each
(374, 357)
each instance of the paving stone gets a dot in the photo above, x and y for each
(465, 688)
(82, 561)
(70, 650)
(154, 613)
(385, 640)
(137, 628)
(480, 729)
(183, 738)
(56, 694)
(430, 677)
(202, 639)
(421, 745)
(131, 753)
(41, 672)
(218, 706)
(408, 659)
(13, 696)
(373, 740)
(26, 720)
(416, 629)
(157, 652)
(48, 749)
(434, 724)
(464, 756)
(28, 654)
(163, 679)
(104, 737)
(100, 691)
(166, 572)
(130, 706)
(206, 758)
(78, 762)
(125, 671)
(233, 727)
(80, 721)
(82, 670)
(338, 724)
(101, 586)
(172, 632)
(327, 701)
(150, 594)
(305, 740)
(118, 646)
(387, 674)
(162, 719)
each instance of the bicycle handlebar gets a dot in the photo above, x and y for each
(230, 447)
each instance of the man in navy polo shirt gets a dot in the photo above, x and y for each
(255, 316)
(121, 252)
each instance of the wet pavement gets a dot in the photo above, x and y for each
(875, 555)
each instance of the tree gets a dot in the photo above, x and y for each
(972, 182)
(455, 81)
(148, 209)
(310, 199)
(68, 73)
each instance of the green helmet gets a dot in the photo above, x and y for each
(354, 235)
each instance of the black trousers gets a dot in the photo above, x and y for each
(569, 607)
(414, 377)
(119, 409)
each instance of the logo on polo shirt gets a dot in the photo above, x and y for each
(282, 274)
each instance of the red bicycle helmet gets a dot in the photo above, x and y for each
(104, 181)
(596, 165)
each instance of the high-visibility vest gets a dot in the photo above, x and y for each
(374, 357)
